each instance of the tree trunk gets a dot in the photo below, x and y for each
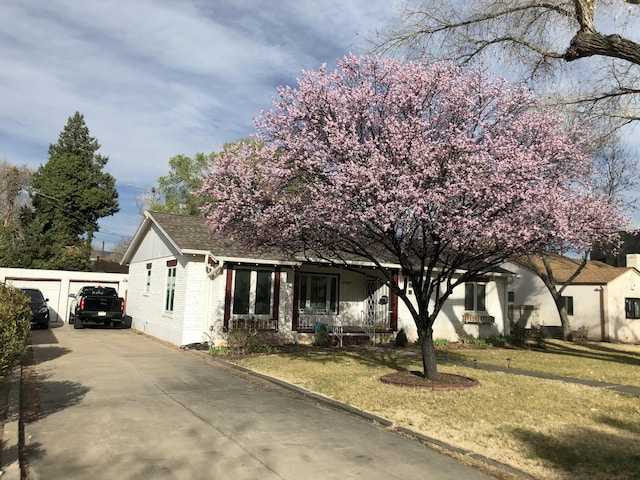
(428, 349)
(564, 317)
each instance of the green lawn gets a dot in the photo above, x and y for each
(548, 429)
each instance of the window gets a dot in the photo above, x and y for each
(475, 297)
(568, 304)
(511, 297)
(319, 293)
(252, 292)
(147, 285)
(171, 289)
(632, 307)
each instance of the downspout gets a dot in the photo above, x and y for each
(603, 328)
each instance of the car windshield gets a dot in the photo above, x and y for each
(34, 295)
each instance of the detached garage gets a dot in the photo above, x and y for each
(56, 285)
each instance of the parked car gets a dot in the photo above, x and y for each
(39, 308)
(96, 304)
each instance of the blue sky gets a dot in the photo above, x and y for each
(157, 78)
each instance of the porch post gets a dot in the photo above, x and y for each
(227, 298)
(296, 299)
(393, 303)
(275, 313)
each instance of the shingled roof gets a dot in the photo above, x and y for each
(190, 234)
(594, 272)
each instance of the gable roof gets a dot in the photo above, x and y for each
(594, 272)
(191, 235)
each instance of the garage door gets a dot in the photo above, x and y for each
(51, 291)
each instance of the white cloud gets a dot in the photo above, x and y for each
(156, 78)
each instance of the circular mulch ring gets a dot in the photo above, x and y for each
(414, 379)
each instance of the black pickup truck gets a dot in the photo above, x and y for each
(99, 305)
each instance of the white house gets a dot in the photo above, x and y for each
(603, 300)
(185, 285)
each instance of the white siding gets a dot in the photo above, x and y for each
(449, 324)
(618, 328)
(147, 309)
(529, 290)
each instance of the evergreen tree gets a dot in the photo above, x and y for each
(70, 194)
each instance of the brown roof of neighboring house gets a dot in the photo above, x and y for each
(594, 272)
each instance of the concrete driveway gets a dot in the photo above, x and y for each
(117, 405)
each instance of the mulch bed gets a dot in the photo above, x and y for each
(414, 379)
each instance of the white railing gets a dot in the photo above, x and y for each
(339, 326)
(308, 321)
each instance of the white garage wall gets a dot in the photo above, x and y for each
(56, 285)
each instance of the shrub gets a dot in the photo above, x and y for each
(518, 337)
(537, 334)
(15, 323)
(401, 339)
(441, 342)
(322, 337)
(500, 341)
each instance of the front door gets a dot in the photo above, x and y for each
(377, 303)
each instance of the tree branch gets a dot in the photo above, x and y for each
(589, 43)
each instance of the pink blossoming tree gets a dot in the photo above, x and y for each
(435, 168)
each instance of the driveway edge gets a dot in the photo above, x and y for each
(10, 468)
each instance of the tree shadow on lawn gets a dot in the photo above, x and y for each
(394, 359)
(586, 452)
(594, 352)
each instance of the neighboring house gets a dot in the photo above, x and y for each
(630, 244)
(185, 285)
(603, 301)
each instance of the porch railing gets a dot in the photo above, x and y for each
(340, 326)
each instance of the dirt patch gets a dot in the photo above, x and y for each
(414, 379)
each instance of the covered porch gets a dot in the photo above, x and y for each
(353, 307)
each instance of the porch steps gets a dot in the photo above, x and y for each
(350, 339)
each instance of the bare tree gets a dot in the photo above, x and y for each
(616, 170)
(13, 180)
(555, 45)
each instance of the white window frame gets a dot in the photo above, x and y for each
(170, 291)
(253, 287)
(147, 284)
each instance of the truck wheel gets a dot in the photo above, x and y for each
(77, 323)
